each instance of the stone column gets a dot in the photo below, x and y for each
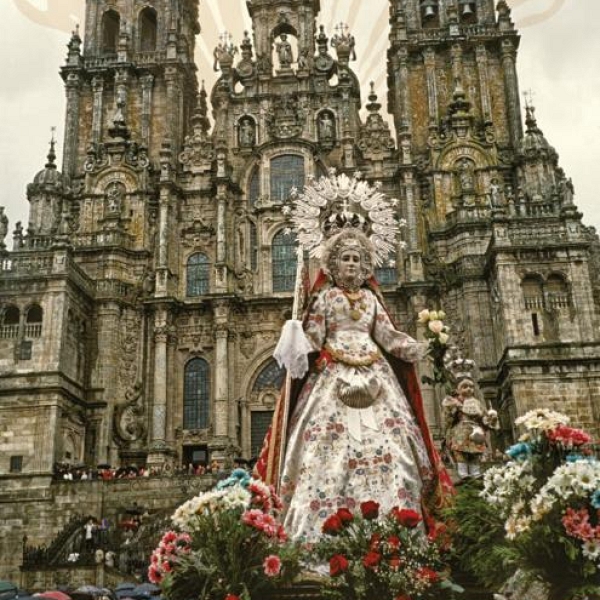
(147, 81)
(105, 377)
(221, 313)
(73, 89)
(511, 82)
(159, 408)
(432, 96)
(172, 119)
(98, 107)
(482, 69)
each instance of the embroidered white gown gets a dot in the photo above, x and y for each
(340, 456)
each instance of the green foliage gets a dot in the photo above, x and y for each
(480, 548)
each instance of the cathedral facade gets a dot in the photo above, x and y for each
(140, 307)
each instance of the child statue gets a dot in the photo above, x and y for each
(467, 424)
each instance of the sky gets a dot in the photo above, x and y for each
(558, 63)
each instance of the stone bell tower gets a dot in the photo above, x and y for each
(136, 61)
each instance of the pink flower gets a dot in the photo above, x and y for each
(568, 436)
(272, 565)
(154, 574)
(250, 517)
(170, 536)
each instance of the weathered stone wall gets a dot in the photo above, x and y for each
(40, 508)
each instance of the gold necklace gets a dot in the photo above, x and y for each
(357, 304)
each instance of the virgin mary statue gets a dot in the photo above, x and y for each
(352, 428)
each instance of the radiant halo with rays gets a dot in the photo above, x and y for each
(335, 202)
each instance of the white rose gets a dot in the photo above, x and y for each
(424, 316)
(443, 337)
(433, 316)
(441, 315)
(435, 326)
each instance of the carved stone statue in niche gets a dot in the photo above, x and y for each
(115, 192)
(247, 135)
(466, 176)
(284, 52)
(326, 127)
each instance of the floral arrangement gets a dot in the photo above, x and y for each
(437, 335)
(384, 558)
(548, 496)
(226, 544)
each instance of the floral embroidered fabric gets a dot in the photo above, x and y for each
(341, 456)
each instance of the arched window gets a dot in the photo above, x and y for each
(267, 385)
(33, 321)
(284, 261)
(111, 24)
(198, 274)
(254, 187)
(196, 395)
(10, 318)
(287, 172)
(271, 377)
(148, 26)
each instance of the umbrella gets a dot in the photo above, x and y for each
(144, 590)
(123, 590)
(54, 595)
(7, 586)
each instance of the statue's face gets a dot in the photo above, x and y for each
(349, 264)
(466, 388)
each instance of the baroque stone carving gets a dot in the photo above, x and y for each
(129, 419)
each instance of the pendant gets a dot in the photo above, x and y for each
(355, 314)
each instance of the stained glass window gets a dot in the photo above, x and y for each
(271, 377)
(196, 394)
(284, 260)
(287, 171)
(259, 426)
(198, 274)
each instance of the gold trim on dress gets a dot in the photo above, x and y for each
(342, 357)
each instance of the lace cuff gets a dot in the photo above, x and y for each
(410, 350)
(292, 349)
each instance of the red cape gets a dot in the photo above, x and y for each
(435, 494)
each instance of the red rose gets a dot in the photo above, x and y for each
(369, 509)
(395, 562)
(406, 517)
(345, 515)
(371, 560)
(232, 597)
(332, 525)
(337, 565)
(428, 574)
(393, 542)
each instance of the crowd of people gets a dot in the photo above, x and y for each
(68, 472)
